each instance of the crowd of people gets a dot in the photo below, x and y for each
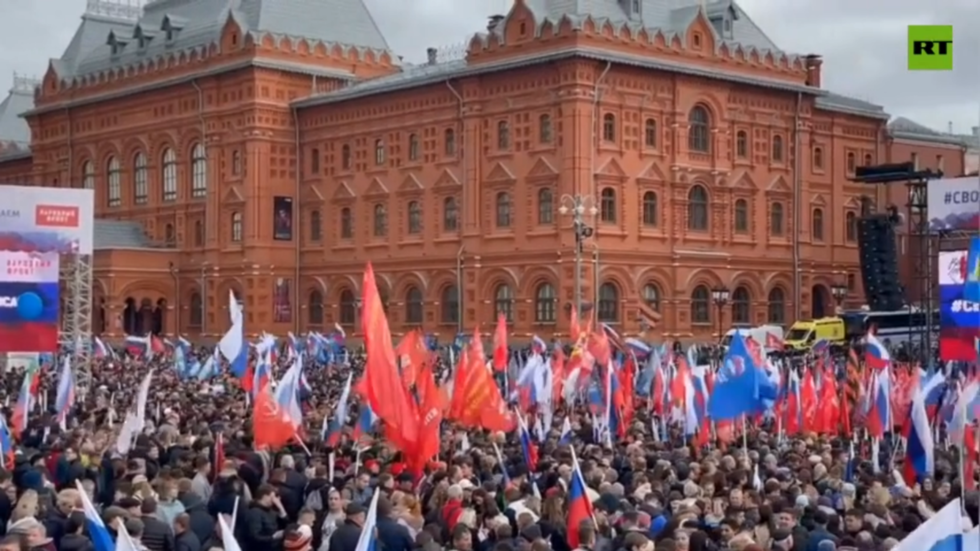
(651, 490)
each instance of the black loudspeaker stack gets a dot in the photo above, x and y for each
(879, 263)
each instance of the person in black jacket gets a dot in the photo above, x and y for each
(157, 535)
(57, 516)
(262, 520)
(185, 539)
(74, 538)
(345, 537)
(202, 524)
(391, 535)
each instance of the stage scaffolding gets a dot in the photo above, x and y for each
(75, 338)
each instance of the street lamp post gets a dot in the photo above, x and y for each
(577, 206)
(720, 296)
(839, 292)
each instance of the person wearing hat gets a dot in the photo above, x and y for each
(346, 536)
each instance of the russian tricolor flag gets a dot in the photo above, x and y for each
(919, 462)
(527, 445)
(875, 353)
(65, 398)
(333, 428)
(579, 506)
(232, 344)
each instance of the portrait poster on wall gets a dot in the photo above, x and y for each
(282, 305)
(282, 229)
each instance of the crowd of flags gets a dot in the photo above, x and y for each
(867, 398)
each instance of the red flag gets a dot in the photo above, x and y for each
(388, 397)
(500, 344)
(271, 425)
(431, 420)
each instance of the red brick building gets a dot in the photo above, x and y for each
(272, 153)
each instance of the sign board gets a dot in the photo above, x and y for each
(38, 219)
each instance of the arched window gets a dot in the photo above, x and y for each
(650, 213)
(777, 306)
(608, 303)
(379, 152)
(851, 163)
(741, 144)
(544, 128)
(699, 130)
(817, 223)
(141, 180)
(316, 226)
(651, 295)
(413, 147)
(197, 310)
(348, 307)
(413, 306)
(383, 294)
(449, 305)
(697, 209)
(777, 149)
(851, 230)
(741, 306)
(544, 304)
(776, 218)
(414, 218)
(346, 224)
(380, 220)
(546, 206)
(503, 301)
(450, 142)
(114, 182)
(315, 314)
(817, 158)
(314, 160)
(345, 157)
(741, 216)
(609, 127)
(236, 227)
(168, 172)
(503, 135)
(650, 133)
(450, 215)
(199, 171)
(169, 235)
(88, 175)
(700, 305)
(236, 163)
(607, 205)
(867, 160)
(503, 210)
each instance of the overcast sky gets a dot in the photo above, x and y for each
(863, 43)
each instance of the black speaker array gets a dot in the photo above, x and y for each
(879, 263)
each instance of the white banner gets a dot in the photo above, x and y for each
(47, 219)
(952, 267)
(21, 267)
(954, 204)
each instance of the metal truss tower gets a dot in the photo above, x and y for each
(76, 319)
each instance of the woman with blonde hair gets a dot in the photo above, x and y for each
(407, 511)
